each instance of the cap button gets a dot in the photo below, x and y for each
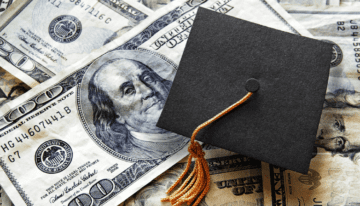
(252, 85)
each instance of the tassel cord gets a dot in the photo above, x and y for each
(227, 110)
(197, 184)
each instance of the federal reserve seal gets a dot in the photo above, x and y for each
(65, 29)
(53, 156)
(337, 54)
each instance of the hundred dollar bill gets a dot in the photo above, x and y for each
(171, 40)
(88, 136)
(34, 51)
(339, 26)
(333, 178)
(235, 180)
(333, 175)
(10, 88)
(41, 37)
(324, 21)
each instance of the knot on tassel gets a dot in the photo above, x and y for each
(195, 150)
(197, 184)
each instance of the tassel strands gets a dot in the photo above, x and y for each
(197, 184)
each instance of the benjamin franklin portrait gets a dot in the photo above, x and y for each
(338, 131)
(126, 91)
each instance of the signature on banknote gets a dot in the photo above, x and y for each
(59, 33)
(236, 180)
(142, 82)
(101, 116)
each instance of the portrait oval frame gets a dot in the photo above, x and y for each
(164, 67)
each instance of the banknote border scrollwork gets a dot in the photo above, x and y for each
(163, 57)
(280, 17)
(15, 183)
(141, 168)
(132, 44)
(151, 30)
(36, 73)
(273, 182)
(233, 165)
(131, 172)
(115, 7)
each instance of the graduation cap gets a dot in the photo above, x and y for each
(226, 58)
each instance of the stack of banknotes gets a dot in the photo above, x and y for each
(83, 82)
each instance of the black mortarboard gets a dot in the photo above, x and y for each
(226, 57)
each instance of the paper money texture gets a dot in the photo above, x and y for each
(88, 136)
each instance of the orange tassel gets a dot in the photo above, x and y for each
(197, 184)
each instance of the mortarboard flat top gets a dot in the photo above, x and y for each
(278, 124)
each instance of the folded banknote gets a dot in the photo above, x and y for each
(40, 37)
(88, 136)
(235, 180)
(333, 177)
